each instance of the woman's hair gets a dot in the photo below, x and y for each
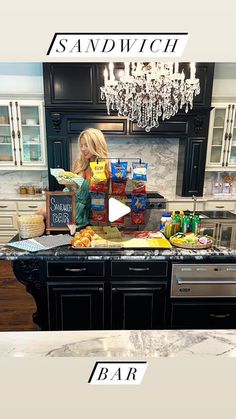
(96, 145)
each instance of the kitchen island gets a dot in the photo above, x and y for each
(120, 344)
(117, 289)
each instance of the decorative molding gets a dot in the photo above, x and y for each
(56, 121)
(198, 123)
(27, 273)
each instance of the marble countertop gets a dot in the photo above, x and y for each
(68, 253)
(204, 198)
(120, 344)
(22, 197)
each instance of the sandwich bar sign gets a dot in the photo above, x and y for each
(60, 210)
(113, 45)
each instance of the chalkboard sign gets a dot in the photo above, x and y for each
(60, 210)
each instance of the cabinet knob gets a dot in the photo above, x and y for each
(195, 166)
(100, 289)
(114, 289)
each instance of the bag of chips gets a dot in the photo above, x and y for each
(139, 202)
(139, 171)
(118, 188)
(98, 171)
(137, 217)
(99, 216)
(139, 186)
(119, 171)
(98, 201)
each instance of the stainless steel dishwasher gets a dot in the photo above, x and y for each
(203, 280)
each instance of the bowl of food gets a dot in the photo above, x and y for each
(191, 241)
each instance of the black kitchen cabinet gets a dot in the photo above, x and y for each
(90, 295)
(211, 314)
(138, 293)
(78, 84)
(137, 306)
(192, 155)
(191, 167)
(75, 306)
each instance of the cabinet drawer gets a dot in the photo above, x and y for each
(74, 269)
(8, 206)
(203, 316)
(30, 205)
(220, 205)
(144, 269)
(8, 221)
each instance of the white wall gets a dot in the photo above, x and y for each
(224, 85)
(21, 79)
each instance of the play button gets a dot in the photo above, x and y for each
(117, 209)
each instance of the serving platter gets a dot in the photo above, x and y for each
(191, 246)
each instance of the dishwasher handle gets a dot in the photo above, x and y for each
(181, 282)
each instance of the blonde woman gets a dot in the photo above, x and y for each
(92, 145)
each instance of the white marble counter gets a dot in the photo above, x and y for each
(21, 197)
(119, 344)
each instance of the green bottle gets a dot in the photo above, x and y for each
(177, 221)
(196, 223)
(186, 223)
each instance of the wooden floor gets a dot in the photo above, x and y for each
(16, 305)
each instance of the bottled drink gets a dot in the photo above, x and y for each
(181, 214)
(177, 222)
(196, 223)
(186, 224)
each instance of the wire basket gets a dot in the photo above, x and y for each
(30, 226)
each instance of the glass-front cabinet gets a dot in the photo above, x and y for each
(22, 136)
(221, 152)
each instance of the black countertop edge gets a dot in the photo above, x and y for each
(68, 254)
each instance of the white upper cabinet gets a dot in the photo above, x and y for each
(221, 153)
(22, 135)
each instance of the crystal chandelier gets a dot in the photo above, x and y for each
(147, 92)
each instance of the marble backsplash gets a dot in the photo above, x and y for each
(161, 154)
(11, 179)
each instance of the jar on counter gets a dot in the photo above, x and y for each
(23, 189)
(165, 217)
(31, 190)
